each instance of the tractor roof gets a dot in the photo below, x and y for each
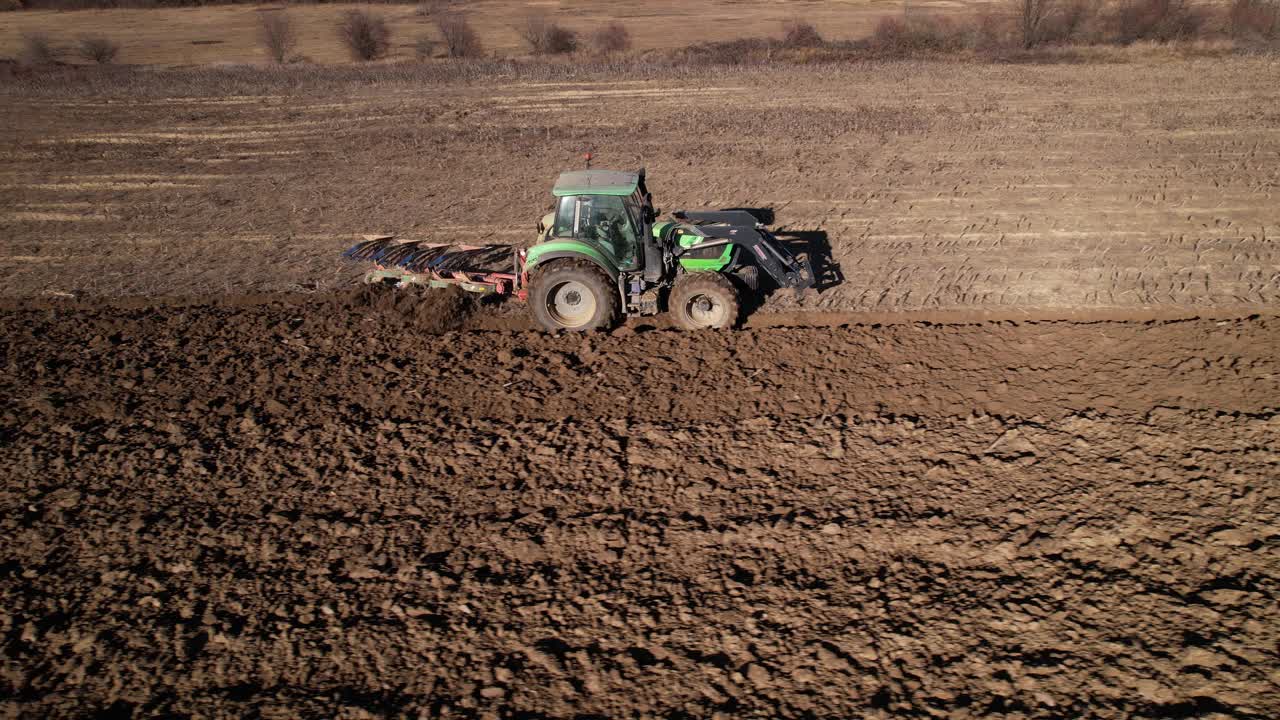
(596, 182)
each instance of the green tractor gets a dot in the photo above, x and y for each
(603, 254)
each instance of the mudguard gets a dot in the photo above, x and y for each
(543, 252)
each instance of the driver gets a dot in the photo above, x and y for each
(606, 226)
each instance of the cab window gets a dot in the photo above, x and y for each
(602, 219)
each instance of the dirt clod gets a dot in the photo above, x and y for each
(422, 310)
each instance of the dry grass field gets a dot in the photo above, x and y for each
(189, 36)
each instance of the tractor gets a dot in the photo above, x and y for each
(604, 253)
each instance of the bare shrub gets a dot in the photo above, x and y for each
(39, 49)
(424, 47)
(890, 33)
(6, 5)
(431, 7)
(460, 39)
(365, 34)
(994, 34)
(742, 51)
(1158, 20)
(1031, 17)
(918, 34)
(612, 38)
(1254, 20)
(97, 49)
(277, 35)
(799, 34)
(1072, 21)
(547, 37)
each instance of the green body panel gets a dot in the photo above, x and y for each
(596, 182)
(715, 264)
(688, 238)
(561, 248)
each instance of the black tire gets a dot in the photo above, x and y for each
(573, 294)
(704, 301)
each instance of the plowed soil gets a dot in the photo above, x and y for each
(322, 503)
(319, 507)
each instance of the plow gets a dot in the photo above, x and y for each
(437, 264)
(604, 254)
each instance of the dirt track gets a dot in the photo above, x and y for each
(281, 509)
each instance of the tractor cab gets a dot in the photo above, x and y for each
(607, 209)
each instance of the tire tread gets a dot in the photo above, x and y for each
(585, 270)
(704, 282)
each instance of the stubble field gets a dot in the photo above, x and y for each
(934, 186)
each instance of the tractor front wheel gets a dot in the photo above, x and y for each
(573, 295)
(704, 300)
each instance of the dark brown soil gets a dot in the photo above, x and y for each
(322, 508)
(421, 310)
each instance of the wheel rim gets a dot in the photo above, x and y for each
(705, 310)
(571, 304)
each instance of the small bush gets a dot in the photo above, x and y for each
(424, 47)
(1032, 15)
(922, 34)
(1254, 20)
(612, 38)
(97, 49)
(277, 35)
(460, 40)
(994, 34)
(1158, 20)
(365, 34)
(890, 32)
(546, 37)
(1053, 21)
(800, 34)
(38, 49)
(1073, 21)
(742, 51)
(6, 5)
(431, 7)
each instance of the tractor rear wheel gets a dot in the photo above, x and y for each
(573, 295)
(704, 300)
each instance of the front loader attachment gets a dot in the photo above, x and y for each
(740, 228)
(476, 268)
